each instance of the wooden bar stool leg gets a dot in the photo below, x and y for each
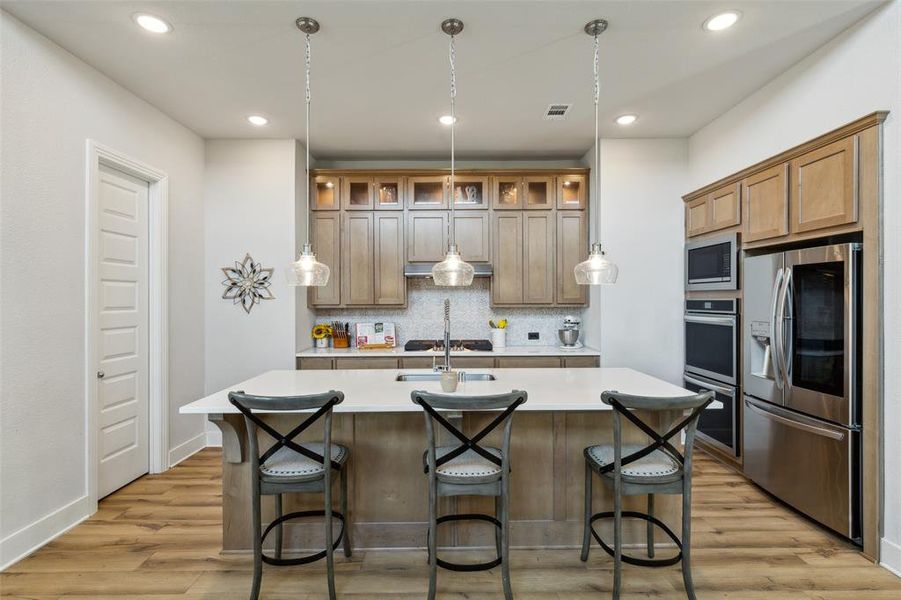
(650, 526)
(257, 534)
(505, 543)
(278, 528)
(586, 534)
(329, 538)
(433, 540)
(617, 540)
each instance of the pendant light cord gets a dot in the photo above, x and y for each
(597, 137)
(451, 226)
(308, 61)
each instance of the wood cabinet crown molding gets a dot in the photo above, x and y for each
(844, 131)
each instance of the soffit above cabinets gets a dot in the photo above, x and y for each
(380, 70)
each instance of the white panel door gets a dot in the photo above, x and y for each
(122, 329)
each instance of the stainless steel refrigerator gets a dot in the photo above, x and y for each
(801, 386)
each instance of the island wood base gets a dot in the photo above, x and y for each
(388, 494)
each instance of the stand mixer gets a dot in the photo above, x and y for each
(569, 335)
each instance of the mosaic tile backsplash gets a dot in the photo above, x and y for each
(470, 312)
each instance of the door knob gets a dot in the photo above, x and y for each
(100, 374)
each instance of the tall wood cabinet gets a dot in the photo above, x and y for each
(325, 236)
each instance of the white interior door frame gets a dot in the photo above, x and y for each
(158, 182)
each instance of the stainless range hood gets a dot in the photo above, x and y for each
(424, 270)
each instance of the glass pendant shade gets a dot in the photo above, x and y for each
(307, 271)
(453, 270)
(596, 269)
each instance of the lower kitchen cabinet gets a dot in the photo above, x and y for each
(375, 362)
(458, 362)
(529, 362)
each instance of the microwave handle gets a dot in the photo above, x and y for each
(709, 386)
(730, 320)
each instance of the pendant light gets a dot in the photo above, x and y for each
(597, 269)
(453, 270)
(306, 270)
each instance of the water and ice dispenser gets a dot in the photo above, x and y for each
(760, 353)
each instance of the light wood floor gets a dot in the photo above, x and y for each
(159, 539)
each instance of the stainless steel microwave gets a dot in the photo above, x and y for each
(712, 263)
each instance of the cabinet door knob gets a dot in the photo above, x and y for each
(100, 374)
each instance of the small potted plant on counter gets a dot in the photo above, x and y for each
(321, 334)
(498, 333)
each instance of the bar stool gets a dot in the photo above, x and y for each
(469, 469)
(656, 468)
(289, 467)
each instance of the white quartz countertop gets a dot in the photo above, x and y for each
(400, 352)
(376, 391)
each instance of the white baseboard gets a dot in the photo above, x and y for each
(890, 556)
(186, 449)
(214, 438)
(23, 542)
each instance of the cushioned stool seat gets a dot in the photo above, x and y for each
(657, 466)
(286, 465)
(469, 467)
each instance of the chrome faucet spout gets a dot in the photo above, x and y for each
(447, 339)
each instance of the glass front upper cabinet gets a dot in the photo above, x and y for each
(326, 193)
(572, 192)
(538, 192)
(470, 192)
(427, 192)
(357, 192)
(507, 193)
(389, 193)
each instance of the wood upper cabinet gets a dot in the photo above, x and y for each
(426, 236)
(356, 193)
(506, 192)
(357, 261)
(538, 192)
(572, 248)
(725, 207)
(507, 282)
(325, 193)
(824, 187)
(388, 193)
(538, 257)
(470, 192)
(325, 236)
(389, 281)
(427, 191)
(472, 237)
(697, 216)
(766, 204)
(572, 192)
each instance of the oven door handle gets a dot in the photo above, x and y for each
(730, 320)
(709, 386)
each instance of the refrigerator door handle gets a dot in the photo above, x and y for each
(776, 337)
(821, 431)
(785, 343)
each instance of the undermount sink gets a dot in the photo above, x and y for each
(464, 376)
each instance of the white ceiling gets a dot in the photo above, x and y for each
(380, 72)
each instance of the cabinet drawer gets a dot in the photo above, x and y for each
(375, 362)
(580, 362)
(529, 362)
(314, 364)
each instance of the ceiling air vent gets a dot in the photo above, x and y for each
(556, 112)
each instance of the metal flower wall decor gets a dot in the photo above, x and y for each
(247, 283)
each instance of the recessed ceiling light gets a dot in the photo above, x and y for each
(257, 120)
(724, 20)
(626, 119)
(447, 120)
(152, 23)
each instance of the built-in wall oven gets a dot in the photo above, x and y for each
(712, 263)
(711, 364)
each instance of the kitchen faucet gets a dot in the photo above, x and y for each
(447, 340)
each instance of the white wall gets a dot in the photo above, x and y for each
(637, 322)
(249, 206)
(855, 74)
(52, 103)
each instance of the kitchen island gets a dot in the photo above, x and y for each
(386, 435)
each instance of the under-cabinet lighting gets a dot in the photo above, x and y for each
(152, 23)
